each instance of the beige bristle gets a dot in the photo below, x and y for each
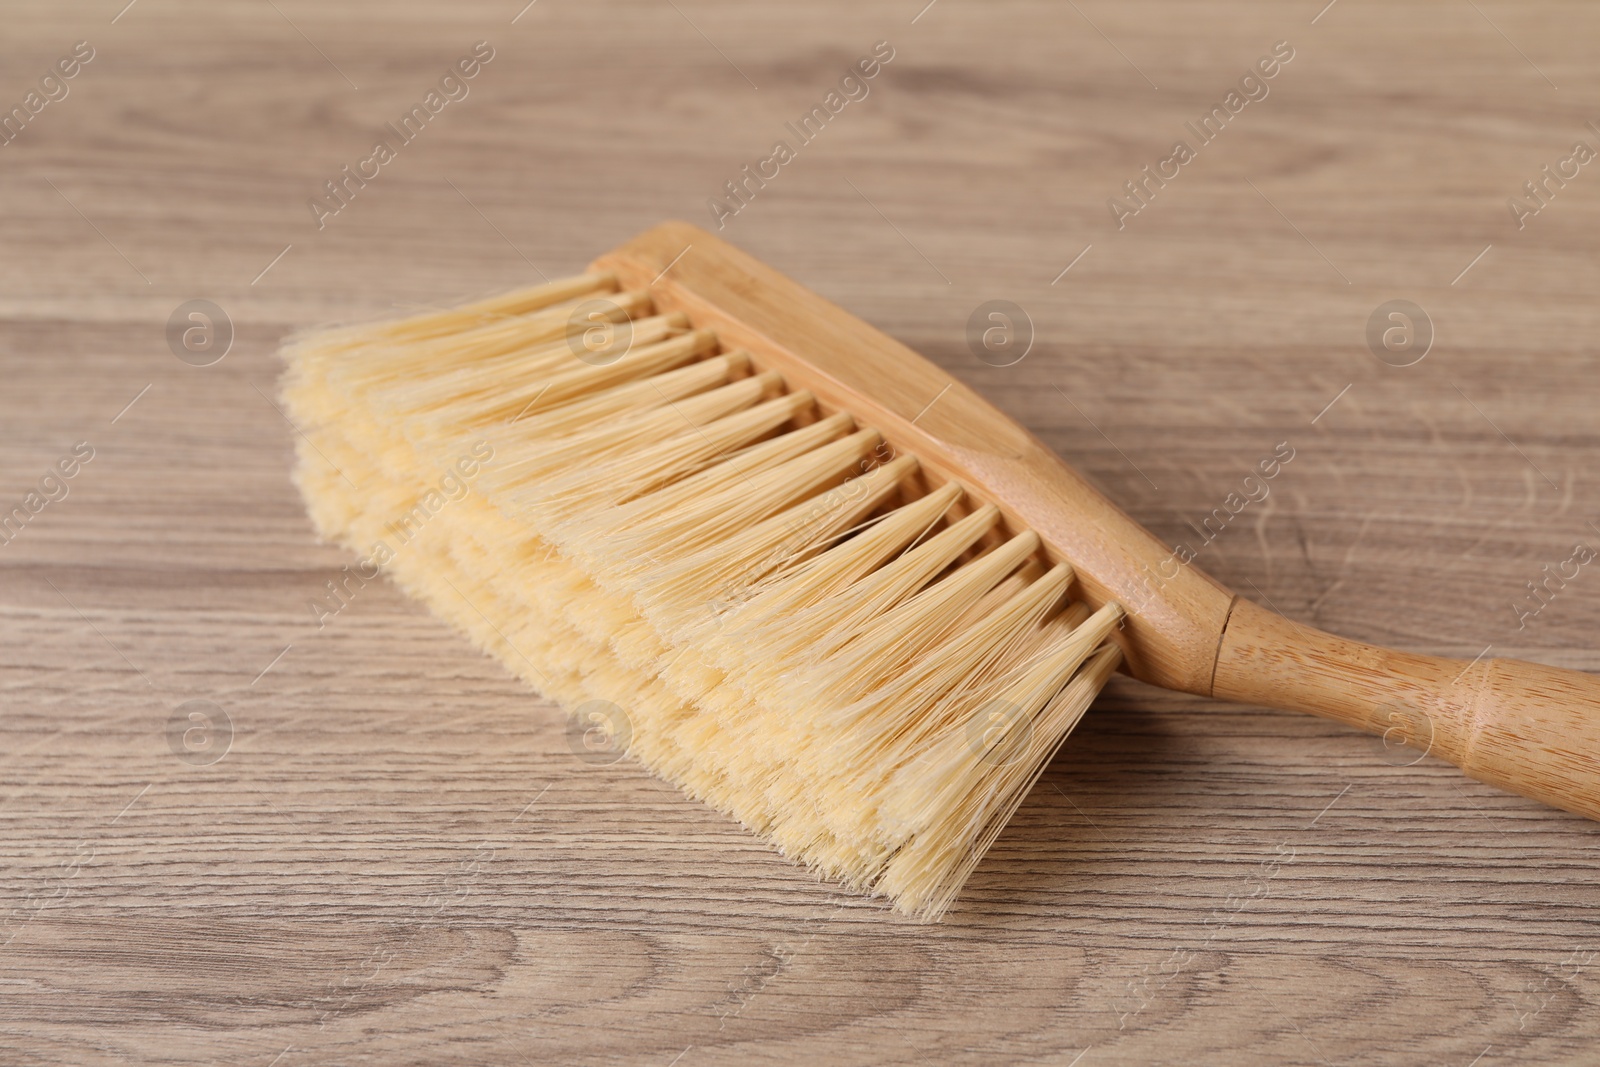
(671, 595)
(531, 480)
(735, 469)
(772, 599)
(815, 633)
(395, 362)
(907, 629)
(778, 566)
(897, 708)
(926, 875)
(1004, 680)
(477, 392)
(794, 634)
(566, 378)
(452, 321)
(677, 520)
(610, 479)
(630, 398)
(355, 382)
(310, 357)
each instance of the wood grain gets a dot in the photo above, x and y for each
(400, 860)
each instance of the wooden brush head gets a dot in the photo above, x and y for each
(1175, 621)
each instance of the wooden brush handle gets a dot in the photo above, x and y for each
(1524, 727)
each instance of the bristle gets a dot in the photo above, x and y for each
(453, 321)
(814, 634)
(614, 475)
(555, 377)
(755, 598)
(904, 635)
(771, 600)
(631, 398)
(969, 797)
(311, 357)
(478, 392)
(542, 475)
(673, 595)
(670, 523)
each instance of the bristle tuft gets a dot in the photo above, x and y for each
(756, 598)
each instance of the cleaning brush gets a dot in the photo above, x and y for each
(803, 574)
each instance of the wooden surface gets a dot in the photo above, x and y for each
(399, 859)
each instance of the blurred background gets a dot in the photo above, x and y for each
(1375, 250)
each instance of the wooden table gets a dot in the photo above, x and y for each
(397, 858)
